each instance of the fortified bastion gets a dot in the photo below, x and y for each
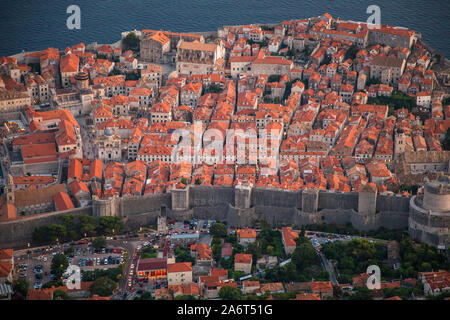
(429, 218)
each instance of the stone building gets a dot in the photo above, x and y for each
(69, 66)
(387, 69)
(12, 101)
(198, 58)
(179, 273)
(109, 147)
(31, 201)
(429, 215)
(422, 162)
(272, 66)
(391, 36)
(154, 46)
(37, 88)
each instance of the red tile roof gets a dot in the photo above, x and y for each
(243, 258)
(179, 267)
(62, 201)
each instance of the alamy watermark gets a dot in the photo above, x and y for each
(374, 20)
(74, 20)
(235, 148)
(73, 281)
(374, 280)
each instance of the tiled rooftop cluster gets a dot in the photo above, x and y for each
(322, 129)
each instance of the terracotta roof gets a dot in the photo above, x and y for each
(69, 63)
(179, 267)
(271, 287)
(152, 264)
(321, 286)
(5, 268)
(289, 236)
(307, 296)
(62, 201)
(6, 254)
(243, 258)
(246, 233)
(196, 45)
(25, 198)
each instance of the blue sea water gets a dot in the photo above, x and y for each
(38, 24)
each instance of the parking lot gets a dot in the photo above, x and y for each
(318, 238)
(34, 265)
(91, 260)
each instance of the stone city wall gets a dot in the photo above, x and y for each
(277, 207)
(17, 233)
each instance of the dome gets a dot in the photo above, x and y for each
(172, 75)
(108, 132)
(81, 76)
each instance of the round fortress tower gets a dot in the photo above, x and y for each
(429, 215)
(82, 80)
(437, 194)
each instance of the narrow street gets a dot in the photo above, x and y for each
(328, 267)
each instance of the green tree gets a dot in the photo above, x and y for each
(41, 234)
(59, 265)
(99, 243)
(20, 287)
(303, 256)
(58, 232)
(68, 220)
(114, 72)
(185, 297)
(110, 225)
(60, 295)
(149, 252)
(182, 254)
(230, 293)
(219, 230)
(351, 52)
(216, 251)
(323, 276)
(55, 284)
(446, 142)
(131, 42)
(146, 296)
(87, 225)
(103, 286)
(212, 88)
(361, 293)
(132, 76)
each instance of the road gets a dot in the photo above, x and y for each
(326, 264)
(130, 246)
